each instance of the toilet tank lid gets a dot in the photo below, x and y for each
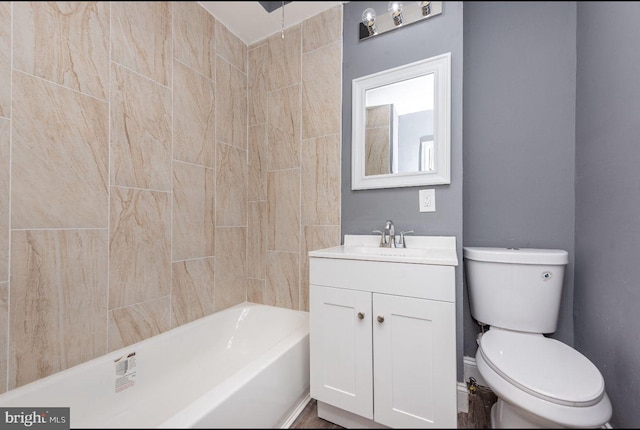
(517, 255)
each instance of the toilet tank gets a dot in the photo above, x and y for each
(515, 288)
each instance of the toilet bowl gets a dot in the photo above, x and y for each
(540, 382)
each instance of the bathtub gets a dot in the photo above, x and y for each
(246, 366)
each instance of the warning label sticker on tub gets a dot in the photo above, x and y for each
(125, 371)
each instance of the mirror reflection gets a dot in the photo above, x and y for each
(399, 127)
(401, 121)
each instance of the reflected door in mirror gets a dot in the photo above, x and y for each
(377, 140)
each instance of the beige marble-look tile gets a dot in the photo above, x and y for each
(64, 42)
(376, 151)
(4, 325)
(322, 29)
(257, 240)
(231, 104)
(193, 211)
(194, 31)
(231, 269)
(322, 91)
(314, 237)
(255, 290)
(141, 38)
(58, 300)
(378, 116)
(283, 130)
(231, 48)
(284, 59)
(257, 163)
(140, 132)
(194, 116)
(283, 286)
(192, 292)
(283, 210)
(257, 76)
(5, 58)
(321, 180)
(59, 172)
(231, 186)
(4, 200)
(139, 247)
(138, 322)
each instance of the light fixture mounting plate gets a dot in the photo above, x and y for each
(270, 6)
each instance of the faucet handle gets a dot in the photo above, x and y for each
(402, 243)
(383, 241)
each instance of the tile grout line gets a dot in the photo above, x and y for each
(300, 191)
(9, 214)
(109, 95)
(171, 173)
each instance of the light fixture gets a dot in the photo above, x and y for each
(369, 20)
(395, 10)
(426, 7)
(401, 14)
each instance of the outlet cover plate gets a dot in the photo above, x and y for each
(427, 200)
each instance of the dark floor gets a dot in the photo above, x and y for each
(479, 416)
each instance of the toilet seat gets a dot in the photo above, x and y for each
(543, 367)
(516, 394)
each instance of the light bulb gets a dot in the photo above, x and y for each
(426, 7)
(395, 9)
(369, 20)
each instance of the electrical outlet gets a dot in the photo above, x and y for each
(427, 201)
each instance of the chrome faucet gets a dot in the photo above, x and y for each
(388, 236)
(390, 232)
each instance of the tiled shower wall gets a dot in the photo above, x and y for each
(295, 105)
(134, 171)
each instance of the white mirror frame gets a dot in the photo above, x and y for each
(439, 65)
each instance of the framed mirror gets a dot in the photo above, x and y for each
(401, 124)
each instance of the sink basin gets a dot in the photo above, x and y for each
(439, 250)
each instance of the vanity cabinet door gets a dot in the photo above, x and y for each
(341, 348)
(414, 362)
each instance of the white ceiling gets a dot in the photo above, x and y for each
(251, 22)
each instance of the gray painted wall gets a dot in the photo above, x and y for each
(366, 210)
(607, 293)
(551, 158)
(519, 134)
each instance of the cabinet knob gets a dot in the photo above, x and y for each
(380, 319)
(360, 315)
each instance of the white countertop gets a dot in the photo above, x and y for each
(438, 250)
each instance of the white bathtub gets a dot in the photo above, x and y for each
(246, 366)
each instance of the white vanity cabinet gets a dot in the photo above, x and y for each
(382, 341)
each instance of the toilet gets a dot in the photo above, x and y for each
(540, 382)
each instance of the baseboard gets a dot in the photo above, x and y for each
(288, 422)
(471, 371)
(463, 397)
